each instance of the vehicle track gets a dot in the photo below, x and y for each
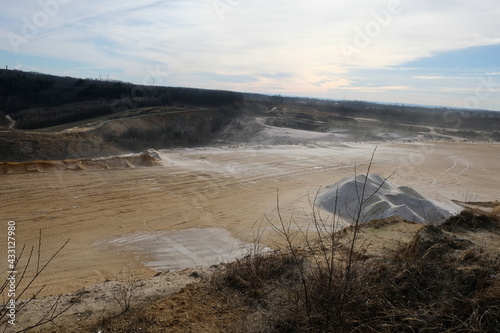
(229, 188)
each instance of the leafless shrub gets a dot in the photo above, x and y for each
(318, 280)
(33, 262)
(123, 290)
(321, 281)
(333, 272)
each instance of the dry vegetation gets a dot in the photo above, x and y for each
(26, 261)
(438, 282)
(322, 280)
(442, 279)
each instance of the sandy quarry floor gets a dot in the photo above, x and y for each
(227, 188)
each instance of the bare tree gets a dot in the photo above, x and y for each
(33, 261)
(316, 250)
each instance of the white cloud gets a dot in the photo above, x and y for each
(301, 39)
(428, 77)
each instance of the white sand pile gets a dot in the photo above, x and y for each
(381, 199)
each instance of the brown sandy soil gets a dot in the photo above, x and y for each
(146, 159)
(89, 306)
(176, 301)
(206, 306)
(227, 187)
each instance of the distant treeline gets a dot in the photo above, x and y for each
(406, 114)
(37, 100)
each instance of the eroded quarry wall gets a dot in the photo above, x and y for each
(148, 158)
(113, 137)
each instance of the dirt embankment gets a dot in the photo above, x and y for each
(113, 137)
(21, 146)
(275, 126)
(146, 159)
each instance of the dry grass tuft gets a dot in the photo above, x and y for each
(472, 219)
(437, 282)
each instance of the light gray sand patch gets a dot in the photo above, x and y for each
(180, 249)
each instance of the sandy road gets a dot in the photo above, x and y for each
(227, 187)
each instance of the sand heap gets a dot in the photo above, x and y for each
(381, 199)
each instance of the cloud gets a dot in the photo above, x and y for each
(428, 77)
(228, 78)
(378, 89)
(274, 46)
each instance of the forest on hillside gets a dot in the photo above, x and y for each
(36, 100)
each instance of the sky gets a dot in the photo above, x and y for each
(440, 52)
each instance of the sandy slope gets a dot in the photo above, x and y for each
(226, 187)
(146, 159)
